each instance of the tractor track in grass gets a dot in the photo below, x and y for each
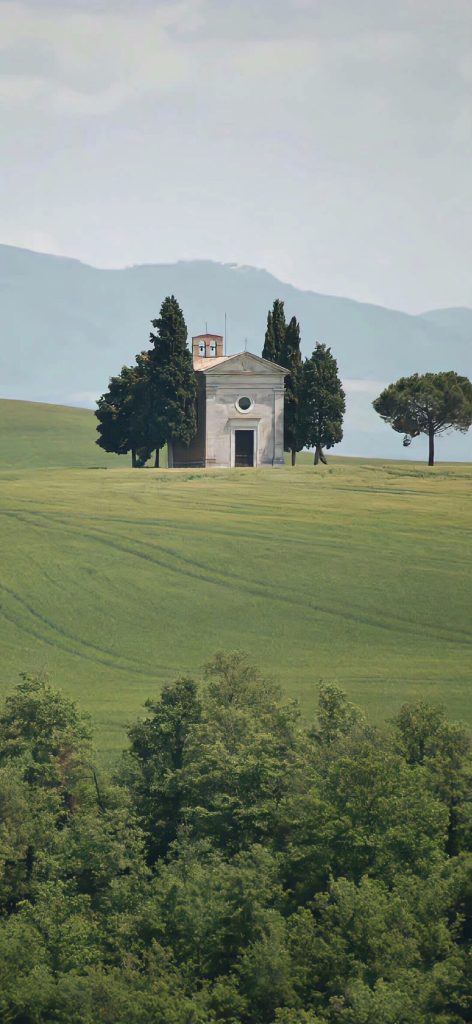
(61, 641)
(236, 581)
(272, 519)
(154, 523)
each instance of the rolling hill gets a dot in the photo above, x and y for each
(116, 580)
(65, 327)
(34, 435)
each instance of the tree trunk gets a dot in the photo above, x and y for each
(133, 458)
(294, 456)
(156, 460)
(319, 456)
(431, 448)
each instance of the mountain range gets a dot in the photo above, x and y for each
(65, 327)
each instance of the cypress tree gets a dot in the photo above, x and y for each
(274, 343)
(154, 402)
(322, 402)
(291, 358)
(268, 352)
(121, 412)
(171, 379)
(280, 328)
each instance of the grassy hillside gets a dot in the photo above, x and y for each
(35, 435)
(113, 581)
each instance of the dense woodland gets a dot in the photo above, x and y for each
(241, 866)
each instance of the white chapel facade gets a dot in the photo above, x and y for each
(240, 409)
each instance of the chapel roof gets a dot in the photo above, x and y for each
(204, 363)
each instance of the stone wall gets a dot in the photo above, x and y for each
(265, 416)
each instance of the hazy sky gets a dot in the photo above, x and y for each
(329, 141)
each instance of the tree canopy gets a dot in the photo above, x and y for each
(171, 378)
(152, 403)
(282, 346)
(314, 401)
(292, 359)
(243, 866)
(428, 403)
(322, 402)
(123, 414)
(274, 342)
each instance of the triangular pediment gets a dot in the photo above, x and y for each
(245, 362)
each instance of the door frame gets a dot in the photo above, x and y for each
(250, 446)
(243, 425)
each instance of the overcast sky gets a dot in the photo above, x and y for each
(329, 141)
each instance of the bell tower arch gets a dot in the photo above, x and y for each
(207, 346)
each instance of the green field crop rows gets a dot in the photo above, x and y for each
(114, 581)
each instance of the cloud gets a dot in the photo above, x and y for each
(93, 61)
(355, 386)
(326, 140)
(92, 58)
(20, 88)
(275, 56)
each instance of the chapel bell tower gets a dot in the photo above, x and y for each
(207, 346)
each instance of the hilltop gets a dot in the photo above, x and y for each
(67, 326)
(114, 581)
(35, 435)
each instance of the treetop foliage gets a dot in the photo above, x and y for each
(274, 342)
(154, 402)
(428, 403)
(323, 402)
(292, 359)
(123, 413)
(243, 866)
(314, 401)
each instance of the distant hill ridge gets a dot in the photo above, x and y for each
(66, 326)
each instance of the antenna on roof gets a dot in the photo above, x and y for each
(224, 340)
(206, 327)
(245, 344)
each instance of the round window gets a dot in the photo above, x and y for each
(244, 403)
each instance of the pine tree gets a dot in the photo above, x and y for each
(291, 358)
(171, 380)
(322, 403)
(428, 403)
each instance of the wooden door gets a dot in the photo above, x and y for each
(244, 448)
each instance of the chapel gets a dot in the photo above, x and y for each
(240, 409)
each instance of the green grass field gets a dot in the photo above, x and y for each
(34, 436)
(113, 580)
